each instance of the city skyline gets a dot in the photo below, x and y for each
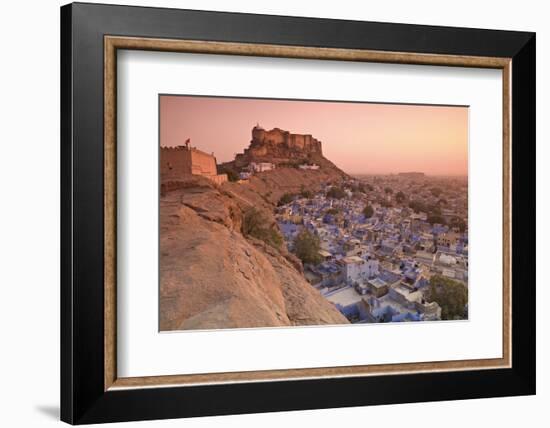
(360, 138)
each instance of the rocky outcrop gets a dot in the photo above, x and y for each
(281, 148)
(282, 144)
(271, 185)
(213, 277)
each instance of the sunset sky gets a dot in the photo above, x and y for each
(360, 138)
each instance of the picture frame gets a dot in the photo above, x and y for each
(91, 390)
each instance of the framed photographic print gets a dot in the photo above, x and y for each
(265, 213)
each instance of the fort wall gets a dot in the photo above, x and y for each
(279, 137)
(177, 162)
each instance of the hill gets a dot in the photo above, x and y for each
(214, 277)
(281, 148)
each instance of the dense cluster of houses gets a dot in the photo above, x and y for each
(377, 267)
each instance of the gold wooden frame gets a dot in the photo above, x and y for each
(112, 43)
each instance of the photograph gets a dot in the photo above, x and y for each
(292, 212)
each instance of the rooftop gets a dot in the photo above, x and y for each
(344, 297)
(377, 283)
(352, 259)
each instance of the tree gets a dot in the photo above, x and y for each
(436, 191)
(400, 196)
(368, 211)
(459, 223)
(257, 225)
(435, 219)
(451, 295)
(232, 174)
(307, 246)
(434, 210)
(417, 206)
(285, 199)
(370, 188)
(336, 193)
(306, 194)
(388, 190)
(332, 211)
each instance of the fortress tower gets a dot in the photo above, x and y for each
(278, 145)
(283, 139)
(177, 162)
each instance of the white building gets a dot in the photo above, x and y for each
(447, 259)
(356, 269)
(261, 166)
(307, 166)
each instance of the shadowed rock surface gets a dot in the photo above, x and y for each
(213, 277)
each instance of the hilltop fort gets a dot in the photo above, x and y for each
(279, 149)
(278, 146)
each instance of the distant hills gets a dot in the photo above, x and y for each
(412, 174)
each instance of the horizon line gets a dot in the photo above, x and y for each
(397, 173)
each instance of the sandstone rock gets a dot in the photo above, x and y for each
(212, 277)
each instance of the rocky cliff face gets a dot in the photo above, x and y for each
(214, 277)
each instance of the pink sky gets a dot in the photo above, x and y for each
(358, 137)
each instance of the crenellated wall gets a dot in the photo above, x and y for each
(176, 162)
(284, 139)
